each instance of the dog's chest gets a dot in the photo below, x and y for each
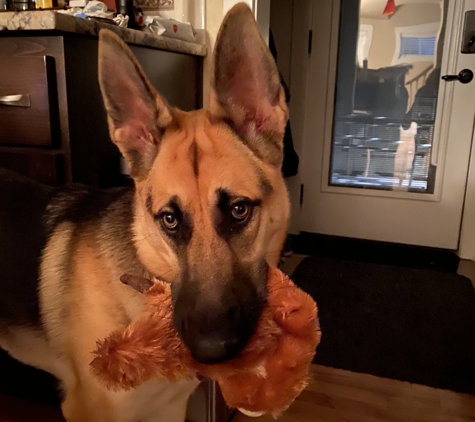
(154, 401)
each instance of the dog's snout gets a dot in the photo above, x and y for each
(216, 313)
(215, 333)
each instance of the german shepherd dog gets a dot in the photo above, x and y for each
(208, 213)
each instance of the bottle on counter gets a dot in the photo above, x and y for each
(127, 8)
(46, 4)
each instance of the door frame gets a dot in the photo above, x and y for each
(441, 129)
(466, 248)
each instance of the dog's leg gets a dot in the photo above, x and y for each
(173, 409)
(86, 403)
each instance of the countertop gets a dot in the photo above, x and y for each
(47, 20)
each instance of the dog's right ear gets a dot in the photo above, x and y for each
(137, 115)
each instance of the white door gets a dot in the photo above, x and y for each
(387, 141)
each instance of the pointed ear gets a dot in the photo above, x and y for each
(137, 115)
(246, 87)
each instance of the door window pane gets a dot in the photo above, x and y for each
(386, 96)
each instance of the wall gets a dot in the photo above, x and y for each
(299, 73)
(213, 19)
(192, 11)
(374, 8)
(215, 11)
(261, 9)
(384, 38)
(206, 17)
(281, 14)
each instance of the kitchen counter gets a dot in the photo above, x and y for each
(46, 20)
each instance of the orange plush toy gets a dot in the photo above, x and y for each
(266, 377)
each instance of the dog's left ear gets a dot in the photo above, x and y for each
(137, 114)
(246, 86)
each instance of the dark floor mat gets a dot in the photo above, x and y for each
(409, 324)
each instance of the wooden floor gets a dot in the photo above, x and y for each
(342, 396)
(333, 396)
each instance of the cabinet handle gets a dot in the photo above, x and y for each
(17, 100)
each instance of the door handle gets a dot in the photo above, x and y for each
(465, 76)
(17, 100)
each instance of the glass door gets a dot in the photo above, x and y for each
(386, 157)
(384, 121)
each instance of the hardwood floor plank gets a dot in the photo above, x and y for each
(336, 395)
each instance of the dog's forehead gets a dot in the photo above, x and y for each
(203, 157)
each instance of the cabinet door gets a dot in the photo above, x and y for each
(28, 101)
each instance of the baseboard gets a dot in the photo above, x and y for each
(377, 252)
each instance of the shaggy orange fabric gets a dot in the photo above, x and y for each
(267, 376)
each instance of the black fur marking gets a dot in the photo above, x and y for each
(149, 202)
(224, 224)
(104, 214)
(29, 214)
(82, 204)
(266, 186)
(108, 213)
(182, 235)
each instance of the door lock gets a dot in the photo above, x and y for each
(465, 76)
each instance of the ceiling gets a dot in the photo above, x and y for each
(374, 8)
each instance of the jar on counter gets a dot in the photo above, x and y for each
(20, 5)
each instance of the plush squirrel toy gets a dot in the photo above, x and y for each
(265, 377)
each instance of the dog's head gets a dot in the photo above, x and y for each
(211, 205)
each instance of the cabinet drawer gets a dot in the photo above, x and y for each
(28, 101)
(43, 166)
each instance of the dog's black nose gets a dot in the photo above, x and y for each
(214, 336)
(215, 349)
(216, 333)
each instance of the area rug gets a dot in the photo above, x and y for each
(409, 324)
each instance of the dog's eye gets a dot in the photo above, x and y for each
(240, 211)
(169, 220)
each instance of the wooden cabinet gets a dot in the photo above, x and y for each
(53, 125)
(44, 166)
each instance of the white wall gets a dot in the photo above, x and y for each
(192, 11)
(228, 4)
(215, 10)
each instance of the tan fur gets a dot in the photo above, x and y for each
(224, 162)
(170, 152)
